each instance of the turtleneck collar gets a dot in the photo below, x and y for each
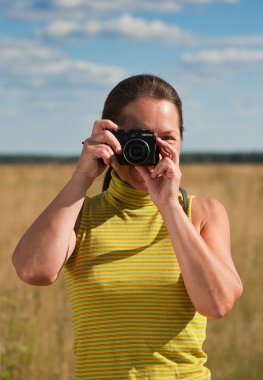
(120, 192)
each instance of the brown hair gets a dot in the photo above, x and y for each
(133, 88)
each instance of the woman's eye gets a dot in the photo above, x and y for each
(166, 138)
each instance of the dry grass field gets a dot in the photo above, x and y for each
(35, 328)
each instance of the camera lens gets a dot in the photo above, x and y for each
(136, 151)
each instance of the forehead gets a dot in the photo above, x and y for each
(152, 114)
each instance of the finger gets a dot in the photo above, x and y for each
(168, 150)
(102, 152)
(103, 124)
(165, 167)
(114, 163)
(109, 159)
(107, 138)
(110, 139)
(94, 149)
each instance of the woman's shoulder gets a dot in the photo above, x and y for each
(88, 203)
(207, 210)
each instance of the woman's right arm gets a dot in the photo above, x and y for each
(50, 240)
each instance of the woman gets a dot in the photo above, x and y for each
(142, 276)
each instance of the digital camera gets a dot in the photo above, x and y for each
(138, 147)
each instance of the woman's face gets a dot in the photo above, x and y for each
(159, 116)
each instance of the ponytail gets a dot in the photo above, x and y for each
(107, 179)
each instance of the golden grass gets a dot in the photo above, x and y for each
(35, 327)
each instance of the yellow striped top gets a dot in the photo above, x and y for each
(132, 316)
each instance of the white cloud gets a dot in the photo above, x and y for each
(60, 28)
(150, 5)
(224, 57)
(237, 41)
(128, 26)
(219, 66)
(29, 64)
(81, 9)
(102, 6)
(211, 1)
(69, 3)
(125, 26)
(13, 49)
(85, 9)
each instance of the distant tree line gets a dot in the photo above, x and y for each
(186, 158)
(238, 158)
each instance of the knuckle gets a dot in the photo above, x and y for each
(107, 133)
(89, 142)
(86, 143)
(96, 123)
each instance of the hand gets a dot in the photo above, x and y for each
(164, 180)
(99, 150)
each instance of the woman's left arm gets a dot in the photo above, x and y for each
(204, 256)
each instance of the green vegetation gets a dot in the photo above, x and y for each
(205, 157)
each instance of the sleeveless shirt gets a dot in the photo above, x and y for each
(132, 316)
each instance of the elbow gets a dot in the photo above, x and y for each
(33, 277)
(36, 279)
(221, 311)
(224, 306)
(217, 311)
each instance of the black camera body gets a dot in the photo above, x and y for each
(138, 147)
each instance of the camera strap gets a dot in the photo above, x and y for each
(185, 199)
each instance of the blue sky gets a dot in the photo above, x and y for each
(60, 58)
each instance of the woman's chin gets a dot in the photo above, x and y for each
(138, 183)
(130, 175)
(140, 186)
